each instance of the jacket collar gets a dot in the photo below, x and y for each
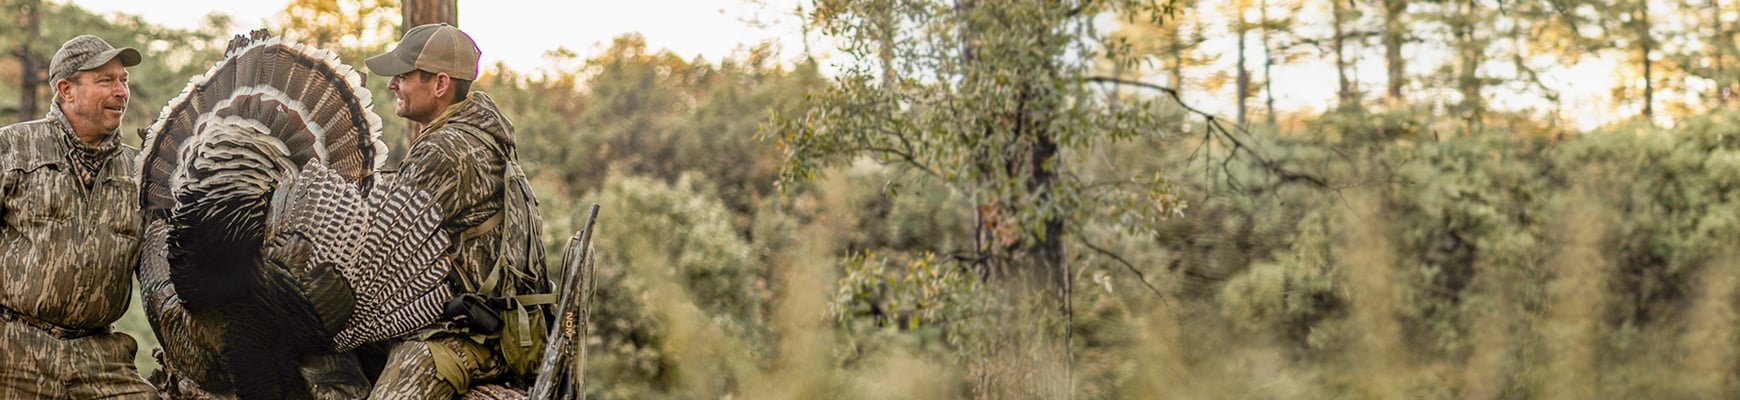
(478, 110)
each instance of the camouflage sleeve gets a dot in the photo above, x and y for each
(6, 156)
(5, 187)
(450, 168)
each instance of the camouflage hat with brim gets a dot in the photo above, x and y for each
(85, 52)
(436, 48)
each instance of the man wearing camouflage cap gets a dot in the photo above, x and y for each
(464, 157)
(69, 235)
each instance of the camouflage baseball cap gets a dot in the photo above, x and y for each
(85, 52)
(434, 48)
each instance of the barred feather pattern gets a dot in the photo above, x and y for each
(320, 205)
(386, 248)
(400, 266)
(315, 223)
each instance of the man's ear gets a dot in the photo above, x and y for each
(443, 84)
(62, 90)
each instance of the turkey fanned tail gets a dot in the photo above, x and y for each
(376, 267)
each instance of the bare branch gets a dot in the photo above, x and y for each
(1127, 265)
(1273, 167)
(1285, 174)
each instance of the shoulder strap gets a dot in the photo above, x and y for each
(509, 167)
(483, 137)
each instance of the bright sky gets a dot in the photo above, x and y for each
(1310, 84)
(519, 32)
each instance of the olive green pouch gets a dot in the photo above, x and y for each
(522, 338)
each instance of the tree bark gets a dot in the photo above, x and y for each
(29, 77)
(1468, 81)
(1720, 41)
(1243, 86)
(1345, 91)
(1648, 79)
(1175, 49)
(423, 12)
(1049, 272)
(1268, 63)
(1393, 31)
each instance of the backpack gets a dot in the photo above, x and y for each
(523, 299)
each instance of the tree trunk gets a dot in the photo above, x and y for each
(30, 80)
(1648, 79)
(1268, 62)
(1470, 58)
(1175, 71)
(29, 77)
(423, 12)
(1243, 85)
(886, 54)
(1720, 42)
(1345, 88)
(1048, 272)
(1393, 31)
(1042, 160)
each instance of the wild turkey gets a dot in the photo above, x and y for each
(272, 246)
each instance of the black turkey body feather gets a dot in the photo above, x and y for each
(273, 247)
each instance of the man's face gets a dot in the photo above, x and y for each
(414, 96)
(94, 100)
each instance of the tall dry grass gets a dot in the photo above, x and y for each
(1572, 324)
(1544, 328)
(1380, 364)
(1709, 341)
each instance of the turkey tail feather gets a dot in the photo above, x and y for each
(400, 277)
(307, 99)
(375, 268)
(249, 180)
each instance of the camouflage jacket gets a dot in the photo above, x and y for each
(464, 175)
(67, 250)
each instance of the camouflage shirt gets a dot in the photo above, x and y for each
(464, 175)
(69, 223)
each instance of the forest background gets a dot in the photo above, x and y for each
(983, 198)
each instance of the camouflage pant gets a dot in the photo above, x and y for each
(431, 369)
(37, 365)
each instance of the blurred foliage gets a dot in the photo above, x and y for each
(992, 104)
(652, 113)
(672, 270)
(1496, 250)
(350, 25)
